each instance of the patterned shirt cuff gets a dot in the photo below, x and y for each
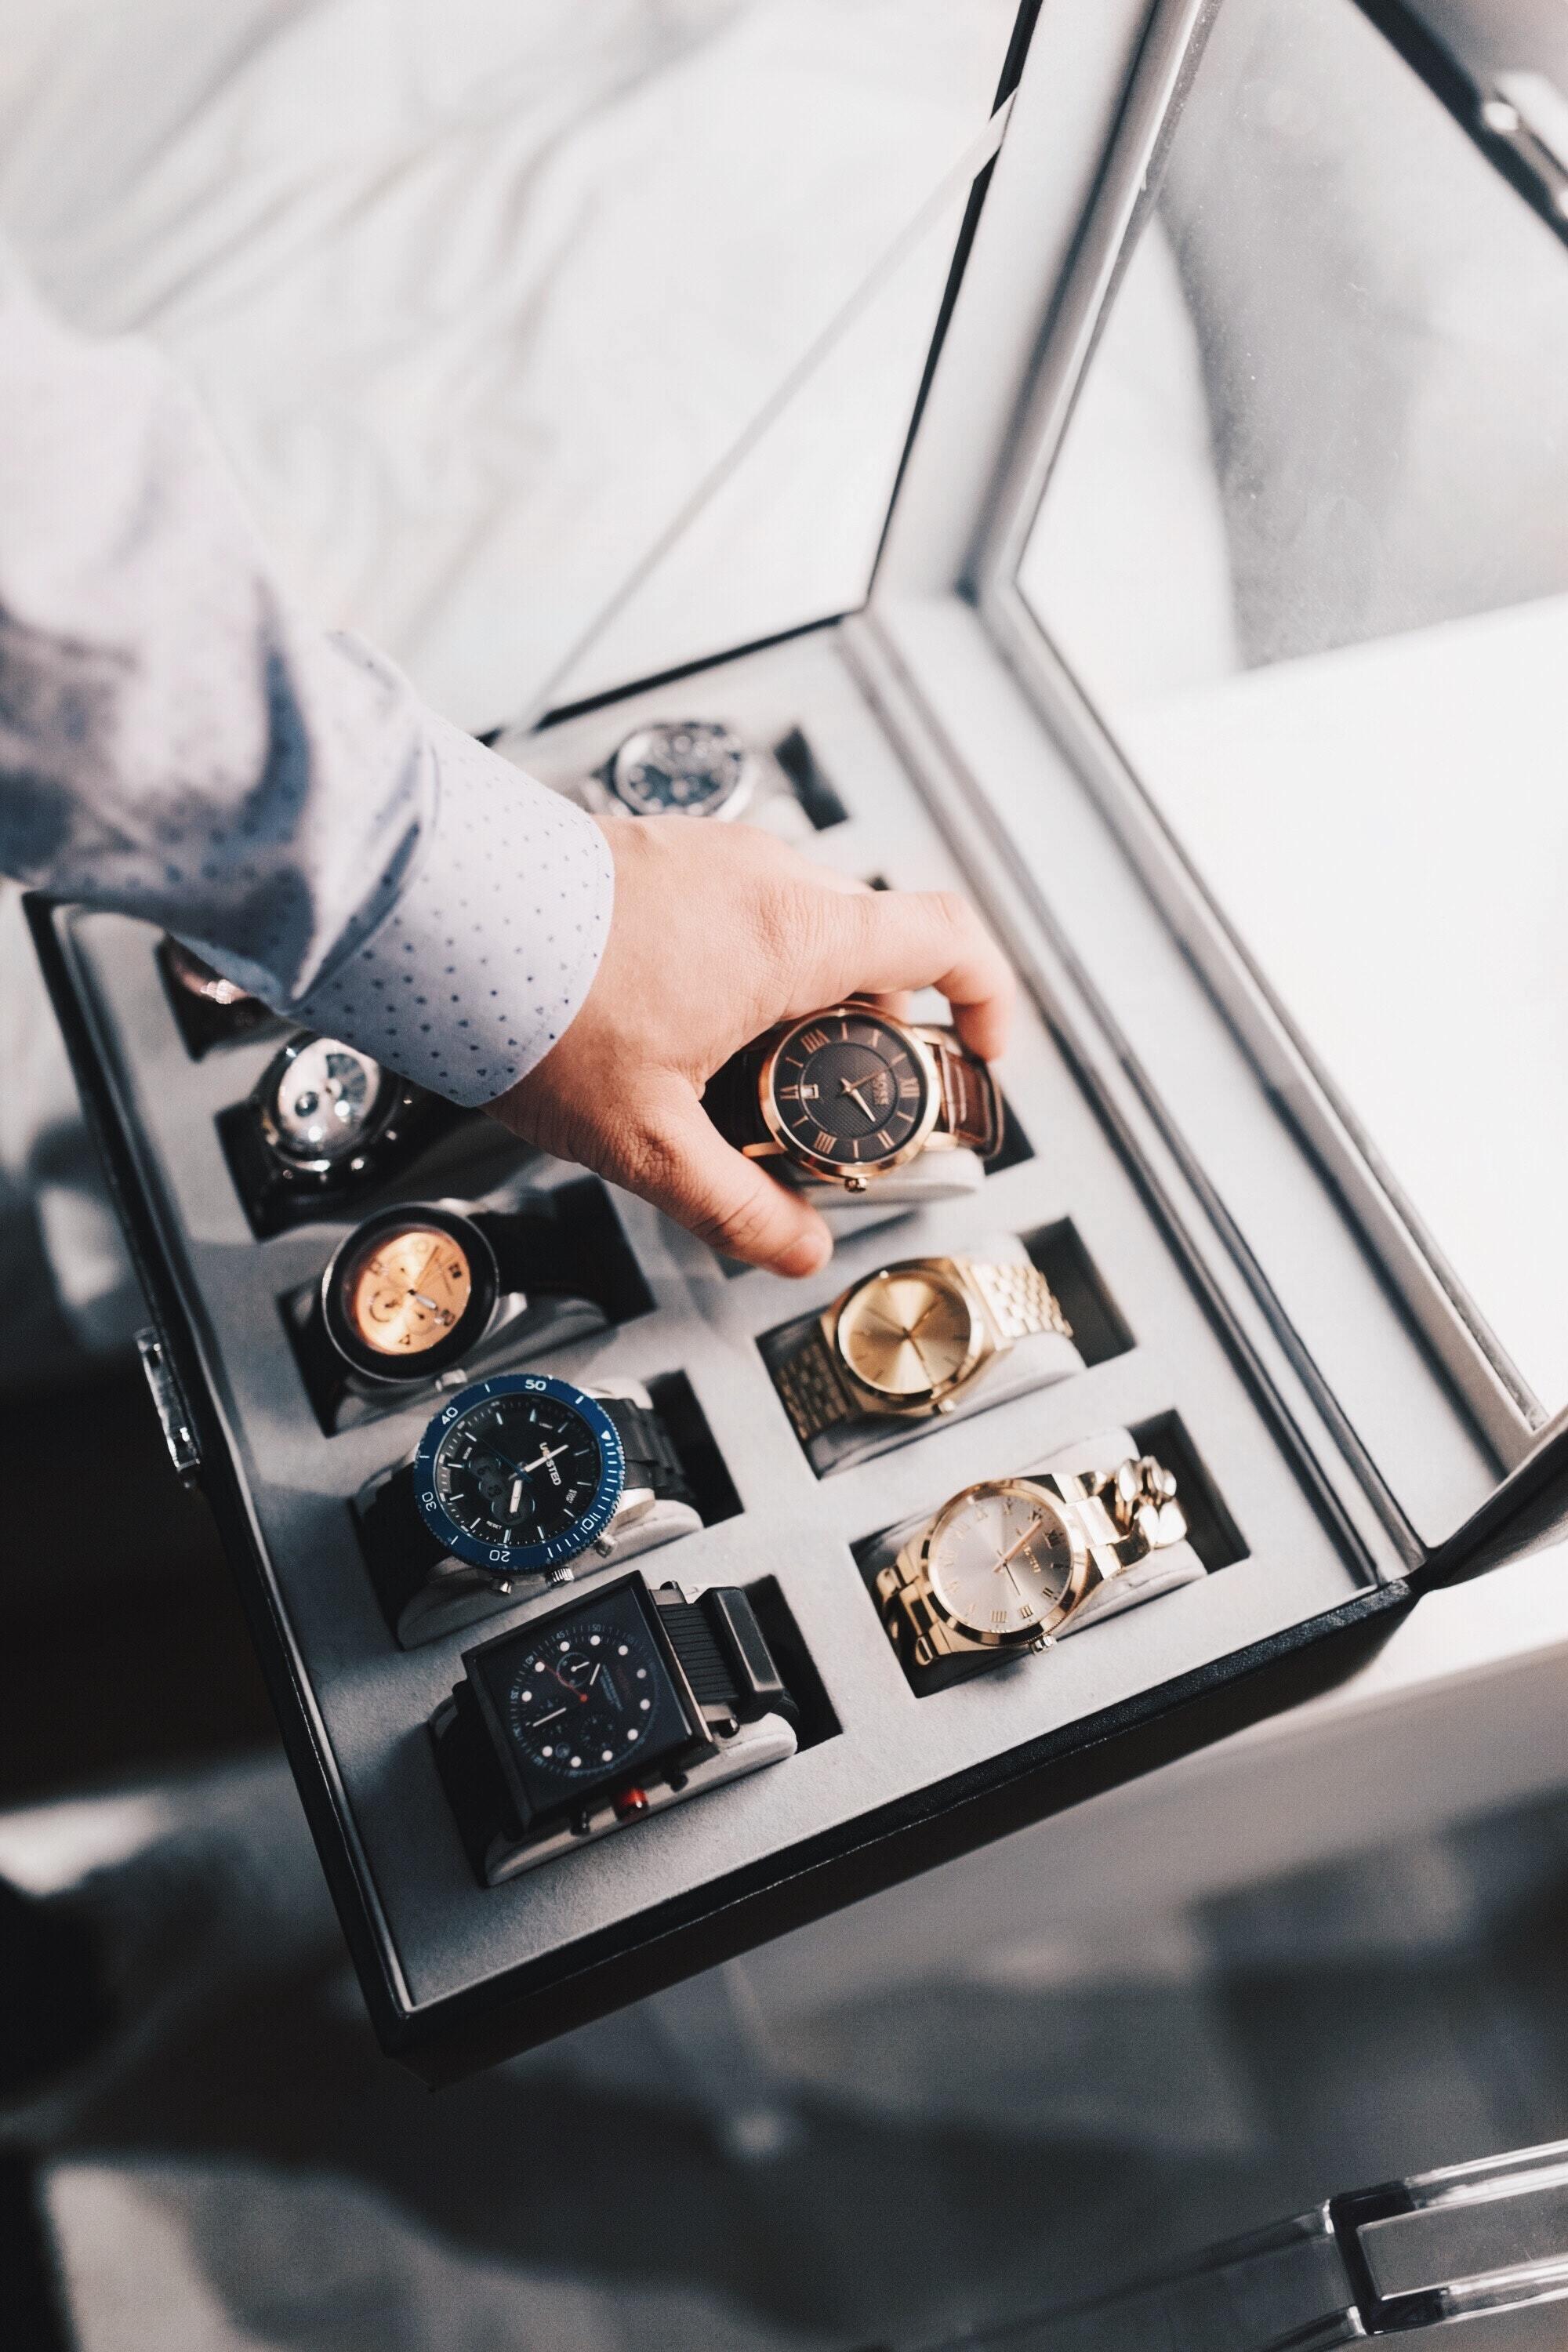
(493, 941)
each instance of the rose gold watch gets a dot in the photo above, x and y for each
(847, 1094)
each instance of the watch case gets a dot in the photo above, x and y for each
(275, 1193)
(791, 793)
(1022, 1366)
(1164, 1571)
(491, 1813)
(1326, 1485)
(202, 1022)
(577, 1222)
(452, 1595)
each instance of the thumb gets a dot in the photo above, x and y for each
(685, 1167)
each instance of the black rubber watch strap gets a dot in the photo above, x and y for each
(724, 1653)
(651, 1458)
(528, 1253)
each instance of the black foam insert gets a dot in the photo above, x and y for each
(1099, 1330)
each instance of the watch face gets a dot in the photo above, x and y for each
(320, 1102)
(1003, 1562)
(408, 1292)
(519, 1473)
(846, 1091)
(199, 979)
(694, 768)
(908, 1332)
(585, 1699)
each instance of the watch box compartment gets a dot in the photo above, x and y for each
(578, 1217)
(1019, 1368)
(1319, 1505)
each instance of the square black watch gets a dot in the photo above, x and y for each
(603, 1710)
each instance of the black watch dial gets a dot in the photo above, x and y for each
(517, 1472)
(846, 1090)
(586, 1699)
(694, 768)
(321, 1102)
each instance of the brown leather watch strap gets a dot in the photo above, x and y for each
(971, 1098)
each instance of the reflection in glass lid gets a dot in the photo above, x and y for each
(1305, 547)
(490, 301)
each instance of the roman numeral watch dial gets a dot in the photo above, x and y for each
(1002, 1563)
(844, 1090)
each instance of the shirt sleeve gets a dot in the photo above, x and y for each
(177, 742)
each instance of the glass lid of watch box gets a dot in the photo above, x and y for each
(485, 305)
(1301, 563)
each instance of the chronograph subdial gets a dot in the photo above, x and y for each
(410, 1292)
(584, 1701)
(693, 767)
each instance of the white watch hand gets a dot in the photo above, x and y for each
(549, 1455)
(515, 1505)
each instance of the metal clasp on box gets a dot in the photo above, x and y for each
(169, 1403)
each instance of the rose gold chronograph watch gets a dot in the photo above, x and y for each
(417, 1289)
(910, 1338)
(1006, 1564)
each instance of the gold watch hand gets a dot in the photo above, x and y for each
(1013, 1550)
(847, 1087)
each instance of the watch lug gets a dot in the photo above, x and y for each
(634, 1504)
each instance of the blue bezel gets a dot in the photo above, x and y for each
(504, 1561)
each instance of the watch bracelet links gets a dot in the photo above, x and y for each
(651, 1459)
(1136, 1502)
(972, 1101)
(1020, 1300)
(810, 1389)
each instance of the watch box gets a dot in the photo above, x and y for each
(1257, 1300)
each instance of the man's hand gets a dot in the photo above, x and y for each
(720, 931)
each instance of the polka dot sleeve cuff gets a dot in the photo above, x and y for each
(493, 941)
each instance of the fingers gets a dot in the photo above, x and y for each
(892, 940)
(682, 1164)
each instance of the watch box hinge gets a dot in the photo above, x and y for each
(169, 1403)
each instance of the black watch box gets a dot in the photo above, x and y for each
(1267, 1312)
